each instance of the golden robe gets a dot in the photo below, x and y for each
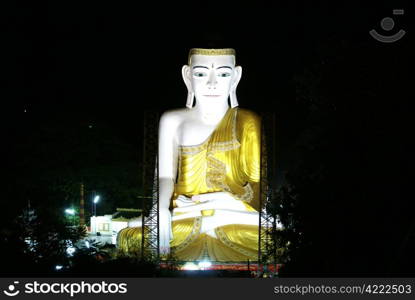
(227, 161)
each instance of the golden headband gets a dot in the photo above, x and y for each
(202, 51)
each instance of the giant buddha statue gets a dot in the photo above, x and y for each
(209, 168)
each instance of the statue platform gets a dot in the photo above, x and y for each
(217, 266)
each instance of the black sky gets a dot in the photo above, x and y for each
(106, 62)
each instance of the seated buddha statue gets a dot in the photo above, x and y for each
(209, 168)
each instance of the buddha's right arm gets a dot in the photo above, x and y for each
(167, 157)
(167, 170)
(166, 188)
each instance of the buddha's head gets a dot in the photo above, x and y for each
(211, 76)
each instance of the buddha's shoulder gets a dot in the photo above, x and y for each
(246, 115)
(174, 116)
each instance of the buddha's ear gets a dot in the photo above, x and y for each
(187, 78)
(236, 77)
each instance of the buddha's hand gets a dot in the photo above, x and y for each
(165, 230)
(215, 197)
(183, 201)
(216, 200)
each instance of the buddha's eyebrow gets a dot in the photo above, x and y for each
(224, 67)
(200, 67)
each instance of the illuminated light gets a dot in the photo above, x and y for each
(87, 244)
(96, 199)
(70, 250)
(58, 267)
(190, 266)
(70, 211)
(205, 264)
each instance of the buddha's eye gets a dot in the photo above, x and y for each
(224, 74)
(199, 74)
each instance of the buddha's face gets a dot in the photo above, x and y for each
(212, 77)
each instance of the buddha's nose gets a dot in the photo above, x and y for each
(212, 80)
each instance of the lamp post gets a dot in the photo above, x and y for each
(95, 201)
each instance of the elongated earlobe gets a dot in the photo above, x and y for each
(234, 100)
(188, 83)
(232, 95)
(190, 99)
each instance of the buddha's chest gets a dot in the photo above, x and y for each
(191, 133)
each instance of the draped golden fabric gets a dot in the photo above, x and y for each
(227, 161)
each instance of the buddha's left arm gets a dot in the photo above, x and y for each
(250, 153)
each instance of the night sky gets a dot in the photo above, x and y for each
(340, 97)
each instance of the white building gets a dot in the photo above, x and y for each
(105, 228)
(101, 224)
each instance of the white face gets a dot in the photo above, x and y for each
(212, 77)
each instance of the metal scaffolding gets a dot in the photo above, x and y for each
(150, 226)
(267, 243)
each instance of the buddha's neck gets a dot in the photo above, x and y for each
(211, 112)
